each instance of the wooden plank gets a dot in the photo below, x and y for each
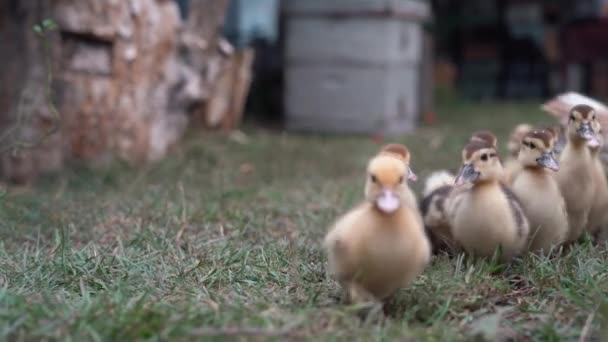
(227, 101)
(241, 82)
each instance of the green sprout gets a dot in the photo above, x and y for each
(16, 145)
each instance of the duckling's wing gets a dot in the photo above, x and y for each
(432, 207)
(517, 211)
(455, 199)
(437, 180)
(563, 207)
(434, 216)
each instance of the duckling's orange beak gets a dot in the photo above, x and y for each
(388, 201)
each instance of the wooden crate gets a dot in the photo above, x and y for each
(354, 66)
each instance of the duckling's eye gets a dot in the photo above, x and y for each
(571, 117)
(373, 178)
(532, 145)
(401, 180)
(484, 157)
(593, 117)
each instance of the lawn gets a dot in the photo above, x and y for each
(222, 239)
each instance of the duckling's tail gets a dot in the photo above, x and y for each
(436, 180)
(517, 134)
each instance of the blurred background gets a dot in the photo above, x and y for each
(129, 79)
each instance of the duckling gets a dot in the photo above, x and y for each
(396, 150)
(536, 188)
(486, 215)
(490, 138)
(598, 215)
(380, 245)
(512, 165)
(559, 107)
(485, 136)
(436, 190)
(575, 177)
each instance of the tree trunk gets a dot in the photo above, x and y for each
(128, 75)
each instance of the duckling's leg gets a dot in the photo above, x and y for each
(600, 233)
(601, 237)
(577, 223)
(444, 242)
(358, 294)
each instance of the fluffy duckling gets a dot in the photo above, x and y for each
(396, 150)
(536, 188)
(437, 188)
(598, 215)
(380, 245)
(576, 177)
(512, 165)
(489, 138)
(486, 215)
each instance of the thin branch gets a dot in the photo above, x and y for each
(243, 331)
(586, 332)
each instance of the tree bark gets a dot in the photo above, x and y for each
(129, 74)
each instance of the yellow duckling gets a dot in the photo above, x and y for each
(598, 215)
(398, 151)
(576, 176)
(437, 189)
(539, 193)
(380, 245)
(486, 215)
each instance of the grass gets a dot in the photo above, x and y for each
(222, 240)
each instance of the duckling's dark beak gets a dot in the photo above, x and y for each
(467, 174)
(585, 131)
(559, 147)
(548, 160)
(411, 175)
